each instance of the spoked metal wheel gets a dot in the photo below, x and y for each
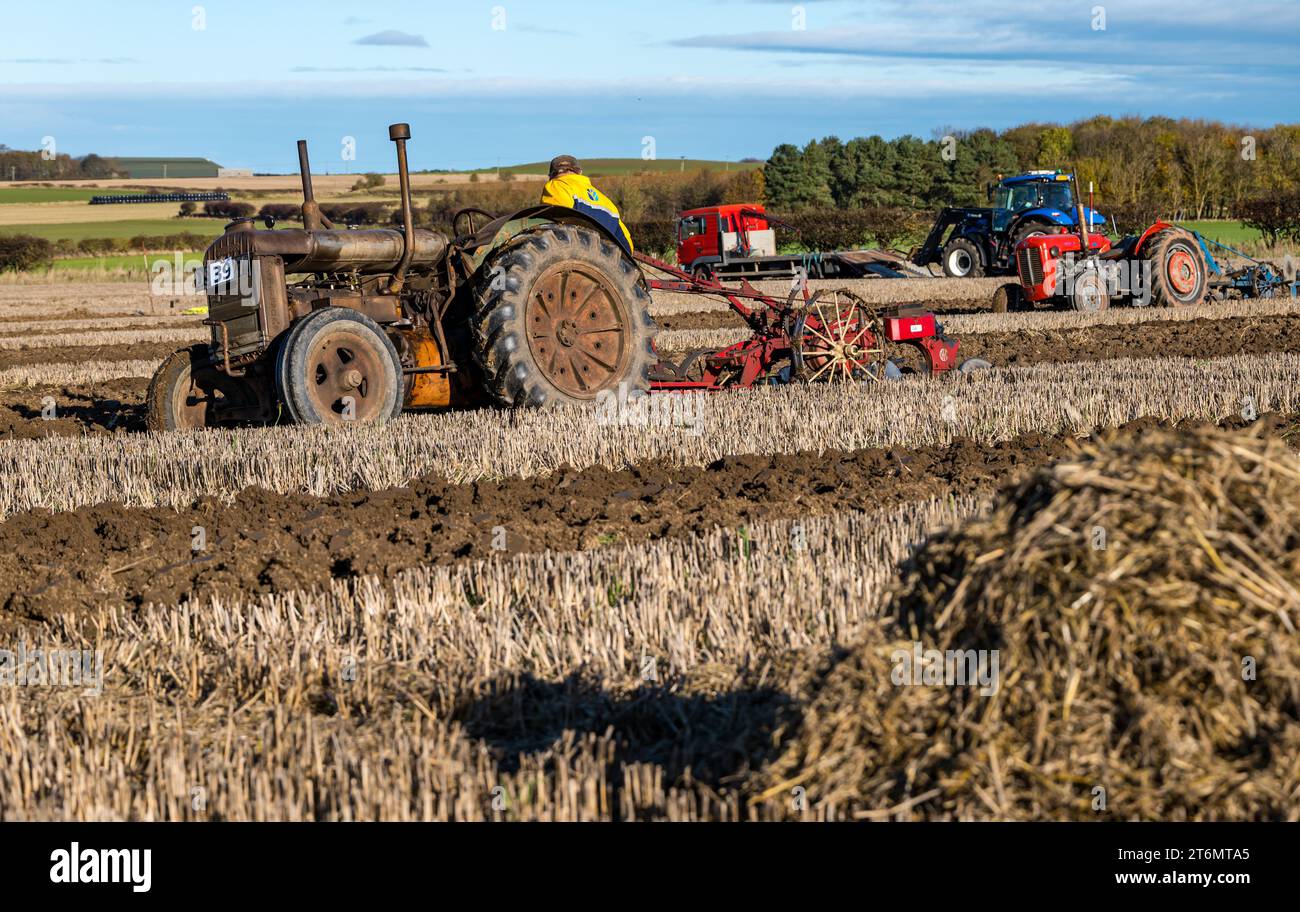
(837, 338)
(578, 329)
(337, 366)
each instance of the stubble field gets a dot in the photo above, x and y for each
(492, 615)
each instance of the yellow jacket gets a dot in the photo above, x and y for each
(575, 191)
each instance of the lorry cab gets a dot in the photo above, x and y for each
(716, 234)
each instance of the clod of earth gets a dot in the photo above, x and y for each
(1143, 599)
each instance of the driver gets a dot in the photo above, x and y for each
(568, 187)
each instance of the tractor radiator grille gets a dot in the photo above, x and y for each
(1030, 261)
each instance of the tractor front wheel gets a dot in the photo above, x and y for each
(562, 316)
(1089, 293)
(961, 259)
(1007, 297)
(1031, 228)
(187, 392)
(336, 366)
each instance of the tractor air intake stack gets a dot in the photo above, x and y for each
(400, 133)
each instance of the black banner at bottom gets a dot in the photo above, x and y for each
(137, 861)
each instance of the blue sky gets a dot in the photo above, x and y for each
(506, 81)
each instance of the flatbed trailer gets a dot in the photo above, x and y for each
(738, 242)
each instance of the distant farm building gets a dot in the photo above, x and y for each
(166, 167)
(234, 172)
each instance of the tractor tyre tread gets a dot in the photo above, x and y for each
(158, 399)
(501, 351)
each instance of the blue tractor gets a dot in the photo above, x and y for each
(973, 242)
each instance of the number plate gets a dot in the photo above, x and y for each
(231, 280)
(220, 272)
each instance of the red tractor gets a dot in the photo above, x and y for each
(1164, 265)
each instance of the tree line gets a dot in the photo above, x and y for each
(16, 165)
(22, 252)
(1185, 169)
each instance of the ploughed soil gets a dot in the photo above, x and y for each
(108, 407)
(1154, 339)
(263, 542)
(79, 354)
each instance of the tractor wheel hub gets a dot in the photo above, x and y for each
(1182, 272)
(566, 333)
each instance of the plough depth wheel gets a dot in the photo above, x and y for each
(837, 337)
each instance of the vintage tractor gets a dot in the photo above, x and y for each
(969, 242)
(1165, 265)
(321, 325)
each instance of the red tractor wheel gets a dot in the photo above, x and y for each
(1179, 276)
(837, 337)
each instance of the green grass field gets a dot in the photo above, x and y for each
(79, 231)
(1231, 233)
(52, 194)
(134, 261)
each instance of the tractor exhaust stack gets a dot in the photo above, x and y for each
(1085, 250)
(312, 219)
(400, 133)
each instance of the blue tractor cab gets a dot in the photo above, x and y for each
(970, 242)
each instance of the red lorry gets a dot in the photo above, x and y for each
(739, 240)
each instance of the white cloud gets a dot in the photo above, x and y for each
(393, 38)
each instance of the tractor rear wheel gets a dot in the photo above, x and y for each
(1179, 275)
(563, 315)
(336, 366)
(187, 392)
(1031, 228)
(961, 259)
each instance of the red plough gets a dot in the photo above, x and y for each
(823, 336)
